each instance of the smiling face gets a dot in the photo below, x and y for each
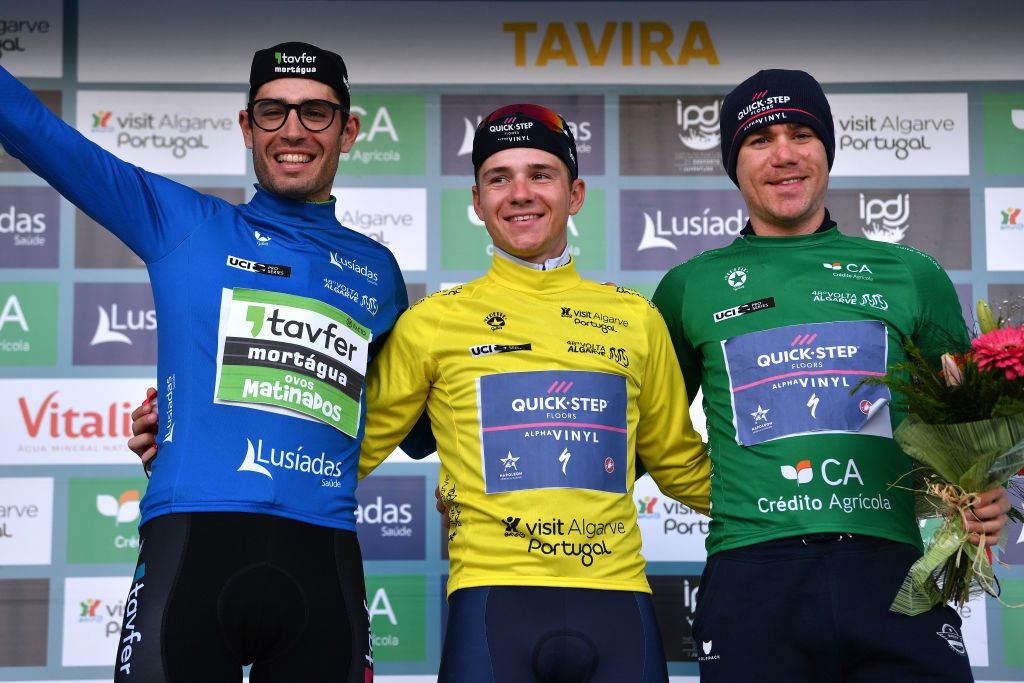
(783, 174)
(293, 162)
(525, 196)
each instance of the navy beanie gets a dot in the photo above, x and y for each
(774, 96)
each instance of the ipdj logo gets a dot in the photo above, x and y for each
(699, 125)
(885, 220)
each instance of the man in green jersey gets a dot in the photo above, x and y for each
(808, 542)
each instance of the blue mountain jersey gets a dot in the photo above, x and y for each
(268, 313)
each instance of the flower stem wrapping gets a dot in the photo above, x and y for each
(958, 461)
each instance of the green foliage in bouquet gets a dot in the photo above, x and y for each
(960, 392)
(965, 429)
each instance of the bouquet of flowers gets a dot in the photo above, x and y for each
(965, 429)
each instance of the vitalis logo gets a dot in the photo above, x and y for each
(55, 421)
(885, 220)
(258, 461)
(658, 229)
(699, 125)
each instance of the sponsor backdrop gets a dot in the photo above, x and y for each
(929, 154)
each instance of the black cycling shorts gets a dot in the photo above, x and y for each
(214, 591)
(815, 609)
(529, 634)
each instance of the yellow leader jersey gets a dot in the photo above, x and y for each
(541, 388)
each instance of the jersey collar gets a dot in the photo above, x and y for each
(527, 278)
(318, 215)
(826, 224)
(551, 263)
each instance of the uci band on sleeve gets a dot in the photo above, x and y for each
(267, 316)
(785, 329)
(542, 389)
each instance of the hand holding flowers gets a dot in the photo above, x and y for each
(966, 430)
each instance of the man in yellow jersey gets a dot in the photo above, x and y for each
(544, 390)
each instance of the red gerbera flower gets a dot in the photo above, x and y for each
(1001, 349)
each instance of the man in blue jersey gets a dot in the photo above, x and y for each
(269, 313)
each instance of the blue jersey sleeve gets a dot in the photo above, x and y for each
(148, 212)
